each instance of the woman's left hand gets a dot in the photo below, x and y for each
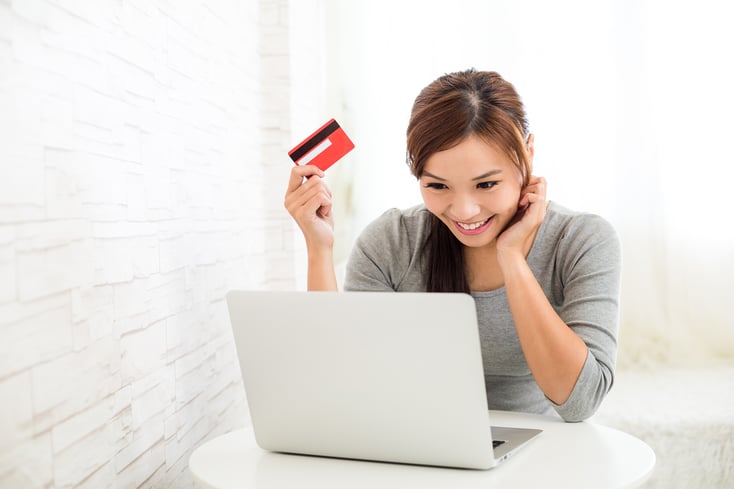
(519, 236)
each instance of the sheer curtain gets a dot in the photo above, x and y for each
(631, 105)
(673, 126)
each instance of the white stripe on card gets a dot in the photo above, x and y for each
(317, 150)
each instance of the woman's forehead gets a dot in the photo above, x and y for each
(471, 157)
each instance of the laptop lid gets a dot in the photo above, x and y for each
(367, 375)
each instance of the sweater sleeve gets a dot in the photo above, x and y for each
(381, 255)
(590, 269)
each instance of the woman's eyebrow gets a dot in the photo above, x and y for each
(427, 174)
(488, 174)
(480, 177)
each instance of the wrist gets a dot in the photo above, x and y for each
(319, 252)
(511, 261)
(321, 272)
(321, 259)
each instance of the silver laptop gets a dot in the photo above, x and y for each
(393, 377)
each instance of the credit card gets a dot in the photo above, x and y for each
(324, 147)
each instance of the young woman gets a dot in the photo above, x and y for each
(545, 279)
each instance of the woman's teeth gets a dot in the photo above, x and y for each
(471, 227)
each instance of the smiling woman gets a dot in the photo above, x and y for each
(545, 279)
(475, 209)
(466, 204)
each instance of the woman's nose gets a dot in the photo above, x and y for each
(464, 208)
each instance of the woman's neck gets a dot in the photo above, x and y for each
(482, 269)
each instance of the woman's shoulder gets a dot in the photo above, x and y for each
(413, 221)
(387, 253)
(568, 222)
(576, 231)
(416, 214)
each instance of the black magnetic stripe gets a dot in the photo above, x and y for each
(314, 141)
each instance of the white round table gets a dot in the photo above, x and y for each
(568, 455)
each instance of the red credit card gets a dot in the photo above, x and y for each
(324, 147)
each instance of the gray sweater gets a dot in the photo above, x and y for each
(576, 259)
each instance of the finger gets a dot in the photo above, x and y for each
(538, 186)
(306, 203)
(535, 190)
(536, 182)
(535, 209)
(314, 202)
(299, 172)
(304, 188)
(534, 179)
(319, 206)
(530, 198)
(324, 211)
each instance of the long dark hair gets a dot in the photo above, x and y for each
(447, 111)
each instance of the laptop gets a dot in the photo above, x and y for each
(381, 376)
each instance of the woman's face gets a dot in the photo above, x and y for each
(474, 189)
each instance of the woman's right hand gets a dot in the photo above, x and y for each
(308, 200)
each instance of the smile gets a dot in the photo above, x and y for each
(473, 227)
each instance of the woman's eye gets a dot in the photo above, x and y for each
(436, 185)
(486, 185)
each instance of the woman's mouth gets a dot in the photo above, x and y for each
(471, 228)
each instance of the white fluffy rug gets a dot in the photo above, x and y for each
(686, 415)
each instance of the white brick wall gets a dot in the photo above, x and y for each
(142, 170)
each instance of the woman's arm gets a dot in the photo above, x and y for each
(586, 260)
(321, 274)
(555, 354)
(308, 200)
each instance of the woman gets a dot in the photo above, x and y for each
(545, 279)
